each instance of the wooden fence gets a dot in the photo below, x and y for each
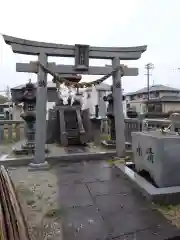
(13, 225)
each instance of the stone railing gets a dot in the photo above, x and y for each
(131, 125)
(135, 125)
(11, 131)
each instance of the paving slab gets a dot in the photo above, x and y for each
(108, 187)
(156, 233)
(109, 204)
(84, 223)
(86, 172)
(123, 222)
(106, 207)
(75, 195)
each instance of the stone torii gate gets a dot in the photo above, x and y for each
(82, 54)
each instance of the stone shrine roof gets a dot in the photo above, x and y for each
(49, 85)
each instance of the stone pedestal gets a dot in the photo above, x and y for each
(111, 143)
(96, 130)
(158, 154)
(71, 127)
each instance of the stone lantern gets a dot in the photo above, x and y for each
(29, 116)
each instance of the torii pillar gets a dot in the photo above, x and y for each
(41, 108)
(118, 109)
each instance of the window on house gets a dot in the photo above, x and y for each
(156, 94)
(158, 107)
(151, 108)
(155, 107)
(145, 96)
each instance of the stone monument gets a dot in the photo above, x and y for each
(158, 153)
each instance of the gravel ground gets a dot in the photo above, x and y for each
(38, 193)
(172, 213)
(5, 148)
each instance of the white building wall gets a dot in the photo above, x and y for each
(174, 106)
(96, 98)
(16, 112)
(90, 100)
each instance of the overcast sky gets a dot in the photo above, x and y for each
(100, 23)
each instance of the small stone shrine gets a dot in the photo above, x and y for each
(29, 116)
(157, 153)
(69, 122)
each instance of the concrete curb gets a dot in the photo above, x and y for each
(168, 195)
(77, 157)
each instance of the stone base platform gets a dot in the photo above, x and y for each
(25, 151)
(167, 195)
(111, 144)
(57, 153)
(20, 148)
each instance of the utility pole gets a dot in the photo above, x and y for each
(148, 67)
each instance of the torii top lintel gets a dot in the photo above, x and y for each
(29, 47)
